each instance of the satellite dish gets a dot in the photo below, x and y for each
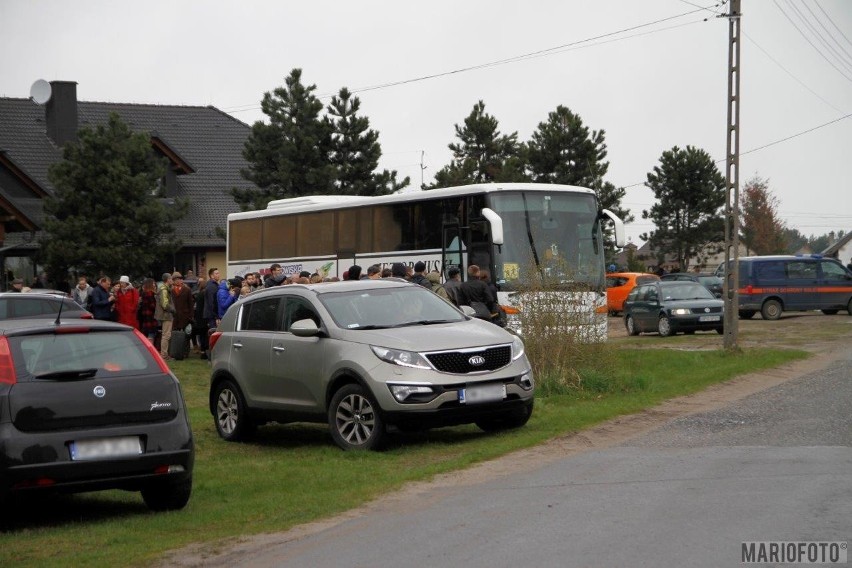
(40, 92)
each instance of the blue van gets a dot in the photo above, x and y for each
(774, 284)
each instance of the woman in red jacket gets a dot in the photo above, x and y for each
(126, 303)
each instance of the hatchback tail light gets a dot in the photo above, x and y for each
(7, 365)
(214, 337)
(163, 366)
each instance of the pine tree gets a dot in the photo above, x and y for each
(690, 193)
(563, 150)
(355, 151)
(105, 215)
(289, 156)
(483, 154)
(762, 230)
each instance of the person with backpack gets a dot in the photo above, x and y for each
(434, 278)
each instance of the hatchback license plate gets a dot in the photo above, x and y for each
(106, 448)
(483, 393)
(709, 318)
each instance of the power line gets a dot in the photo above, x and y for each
(833, 24)
(810, 42)
(794, 135)
(802, 83)
(767, 145)
(827, 31)
(818, 35)
(514, 59)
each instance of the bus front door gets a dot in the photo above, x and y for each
(453, 250)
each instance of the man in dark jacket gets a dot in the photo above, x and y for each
(419, 276)
(103, 300)
(476, 294)
(211, 304)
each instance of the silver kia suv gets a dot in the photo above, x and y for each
(362, 356)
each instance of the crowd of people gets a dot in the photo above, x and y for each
(478, 291)
(195, 306)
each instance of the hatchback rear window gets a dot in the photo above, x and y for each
(108, 353)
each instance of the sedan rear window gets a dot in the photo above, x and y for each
(110, 354)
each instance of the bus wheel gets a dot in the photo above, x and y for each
(771, 310)
(746, 314)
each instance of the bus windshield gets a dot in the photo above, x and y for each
(554, 234)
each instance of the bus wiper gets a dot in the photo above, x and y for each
(529, 231)
(72, 375)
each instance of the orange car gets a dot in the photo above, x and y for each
(619, 284)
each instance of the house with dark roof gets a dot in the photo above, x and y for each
(203, 146)
(841, 249)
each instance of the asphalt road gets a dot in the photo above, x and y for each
(774, 466)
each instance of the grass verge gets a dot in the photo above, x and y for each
(294, 474)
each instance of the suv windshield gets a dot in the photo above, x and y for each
(389, 307)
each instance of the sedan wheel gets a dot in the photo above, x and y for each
(664, 326)
(231, 416)
(631, 326)
(354, 419)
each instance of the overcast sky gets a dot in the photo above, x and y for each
(649, 88)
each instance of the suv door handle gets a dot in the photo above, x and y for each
(278, 348)
(238, 345)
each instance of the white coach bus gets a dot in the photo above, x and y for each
(505, 227)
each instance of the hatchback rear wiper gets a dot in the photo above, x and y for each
(68, 375)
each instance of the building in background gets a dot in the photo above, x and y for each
(203, 146)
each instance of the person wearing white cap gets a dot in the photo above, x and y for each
(126, 303)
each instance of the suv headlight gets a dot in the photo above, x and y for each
(401, 358)
(680, 312)
(412, 392)
(517, 348)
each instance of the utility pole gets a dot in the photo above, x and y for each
(732, 184)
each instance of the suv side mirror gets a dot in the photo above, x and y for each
(304, 328)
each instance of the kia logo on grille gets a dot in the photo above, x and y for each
(99, 391)
(477, 360)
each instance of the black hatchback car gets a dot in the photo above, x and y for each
(87, 405)
(670, 307)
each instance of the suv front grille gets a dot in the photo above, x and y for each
(459, 362)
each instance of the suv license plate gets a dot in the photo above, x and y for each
(483, 393)
(709, 318)
(106, 448)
